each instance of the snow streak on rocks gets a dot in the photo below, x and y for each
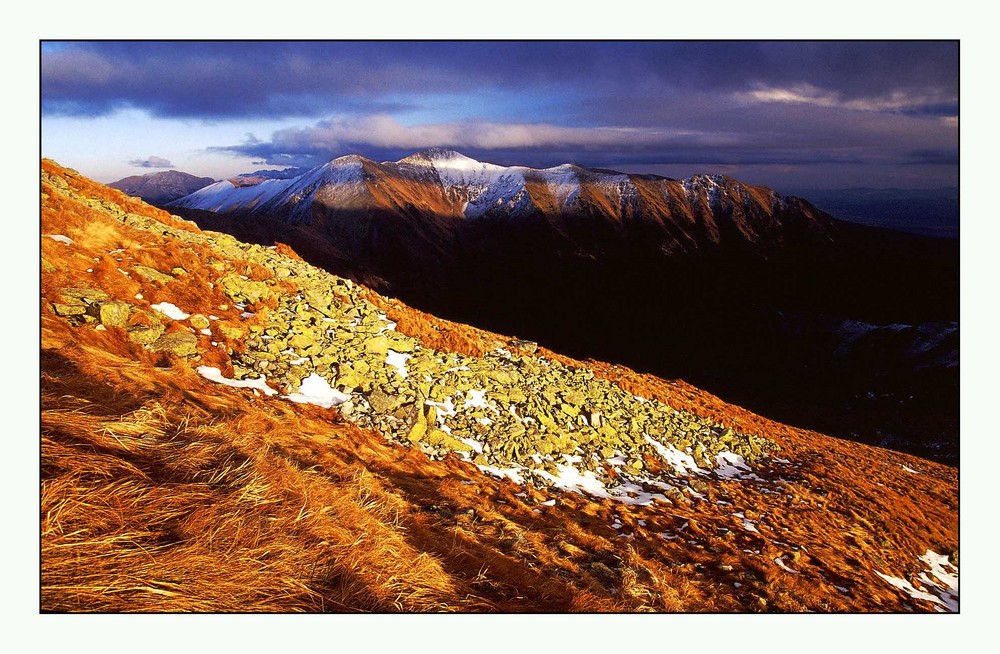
(938, 584)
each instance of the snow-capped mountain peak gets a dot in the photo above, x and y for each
(441, 157)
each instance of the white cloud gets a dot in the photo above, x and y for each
(385, 131)
(808, 94)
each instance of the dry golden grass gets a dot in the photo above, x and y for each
(161, 491)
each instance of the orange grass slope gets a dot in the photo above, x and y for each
(161, 491)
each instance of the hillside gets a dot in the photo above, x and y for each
(226, 428)
(855, 328)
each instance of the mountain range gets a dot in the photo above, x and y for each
(760, 297)
(226, 427)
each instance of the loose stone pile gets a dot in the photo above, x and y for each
(501, 410)
(498, 410)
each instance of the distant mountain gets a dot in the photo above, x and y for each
(162, 187)
(672, 216)
(718, 282)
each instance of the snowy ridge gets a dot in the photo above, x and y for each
(225, 196)
(708, 185)
(480, 188)
(296, 193)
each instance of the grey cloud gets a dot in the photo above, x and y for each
(151, 162)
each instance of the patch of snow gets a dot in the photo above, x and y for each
(445, 409)
(138, 296)
(634, 495)
(316, 390)
(247, 314)
(514, 474)
(170, 311)
(781, 564)
(569, 478)
(214, 374)
(908, 588)
(474, 444)
(908, 469)
(206, 332)
(693, 493)
(941, 579)
(388, 327)
(61, 238)
(733, 466)
(475, 400)
(748, 524)
(397, 360)
(681, 462)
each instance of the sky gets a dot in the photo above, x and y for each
(789, 114)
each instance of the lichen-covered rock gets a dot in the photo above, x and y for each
(69, 309)
(153, 274)
(244, 290)
(114, 314)
(79, 295)
(179, 343)
(145, 334)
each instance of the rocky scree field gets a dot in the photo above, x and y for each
(227, 428)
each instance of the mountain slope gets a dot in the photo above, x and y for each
(162, 187)
(684, 216)
(320, 484)
(754, 284)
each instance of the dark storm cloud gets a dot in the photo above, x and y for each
(151, 162)
(217, 79)
(933, 157)
(540, 103)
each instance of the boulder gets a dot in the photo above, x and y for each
(114, 314)
(69, 309)
(244, 290)
(74, 295)
(145, 335)
(179, 343)
(152, 274)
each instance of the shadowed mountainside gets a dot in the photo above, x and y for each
(761, 298)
